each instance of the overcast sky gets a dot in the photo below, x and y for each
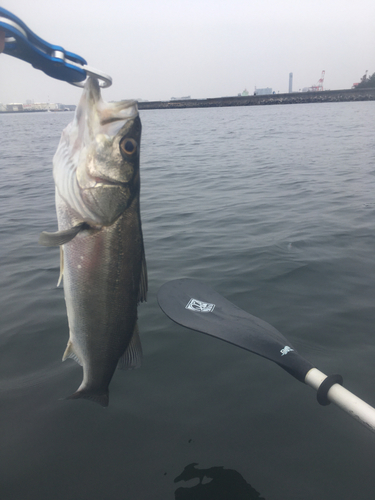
(156, 49)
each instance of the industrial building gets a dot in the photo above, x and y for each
(264, 91)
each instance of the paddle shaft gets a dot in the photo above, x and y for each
(343, 398)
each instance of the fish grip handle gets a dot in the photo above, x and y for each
(53, 60)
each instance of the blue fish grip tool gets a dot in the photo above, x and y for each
(53, 60)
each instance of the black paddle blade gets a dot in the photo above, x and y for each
(197, 306)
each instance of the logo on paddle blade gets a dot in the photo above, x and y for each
(199, 306)
(285, 350)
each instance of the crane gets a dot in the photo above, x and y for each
(319, 85)
(364, 77)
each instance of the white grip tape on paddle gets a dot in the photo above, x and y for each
(343, 398)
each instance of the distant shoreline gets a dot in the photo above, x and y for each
(261, 100)
(29, 111)
(349, 95)
(23, 111)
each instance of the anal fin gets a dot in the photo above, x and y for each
(70, 353)
(132, 357)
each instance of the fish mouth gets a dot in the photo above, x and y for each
(112, 115)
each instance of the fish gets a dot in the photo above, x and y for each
(102, 256)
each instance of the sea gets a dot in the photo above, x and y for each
(273, 207)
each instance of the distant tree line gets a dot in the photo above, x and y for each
(367, 81)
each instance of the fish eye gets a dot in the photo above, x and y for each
(128, 146)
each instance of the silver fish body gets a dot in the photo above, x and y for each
(96, 172)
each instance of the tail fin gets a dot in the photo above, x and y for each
(92, 395)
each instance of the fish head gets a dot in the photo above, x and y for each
(96, 166)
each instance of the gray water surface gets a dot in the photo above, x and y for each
(272, 206)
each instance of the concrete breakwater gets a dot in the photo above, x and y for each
(260, 100)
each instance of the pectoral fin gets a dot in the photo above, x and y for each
(61, 237)
(132, 357)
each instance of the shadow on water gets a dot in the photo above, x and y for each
(215, 483)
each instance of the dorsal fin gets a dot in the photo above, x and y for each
(143, 285)
(132, 357)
